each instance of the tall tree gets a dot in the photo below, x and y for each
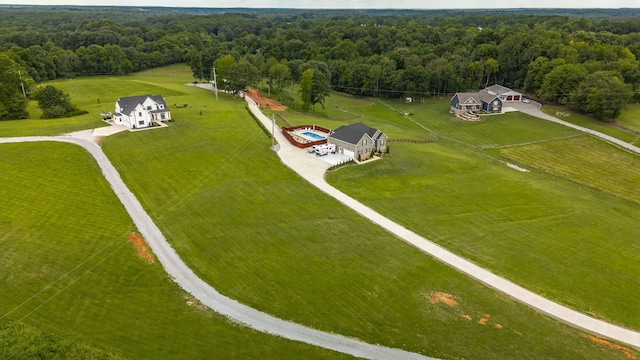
(13, 104)
(53, 102)
(320, 89)
(279, 74)
(602, 94)
(561, 82)
(306, 87)
(241, 75)
(223, 66)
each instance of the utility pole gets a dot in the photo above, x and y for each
(22, 84)
(215, 83)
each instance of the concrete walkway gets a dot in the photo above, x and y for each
(204, 292)
(313, 171)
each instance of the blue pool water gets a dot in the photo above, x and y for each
(314, 135)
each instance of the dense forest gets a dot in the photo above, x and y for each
(590, 63)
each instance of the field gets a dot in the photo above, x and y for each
(542, 229)
(74, 286)
(630, 118)
(260, 234)
(590, 123)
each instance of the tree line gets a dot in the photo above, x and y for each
(587, 63)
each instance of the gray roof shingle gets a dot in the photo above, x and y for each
(128, 104)
(353, 133)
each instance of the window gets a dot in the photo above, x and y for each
(364, 142)
(148, 107)
(141, 122)
(140, 113)
(381, 142)
(163, 116)
(360, 152)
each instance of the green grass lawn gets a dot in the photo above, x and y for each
(585, 160)
(542, 231)
(260, 234)
(630, 118)
(590, 123)
(95, 95)
(73, 286)
(344, 110)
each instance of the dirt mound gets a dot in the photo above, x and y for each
(265, 102)
(142, 246)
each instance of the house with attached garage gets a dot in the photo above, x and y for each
(475, 102)
(490, 100)
(142, 111)
(358, 140)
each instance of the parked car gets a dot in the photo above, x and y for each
(526, 101)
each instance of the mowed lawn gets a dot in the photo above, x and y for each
(569, 242)
(630, 118)
(260, 234)
(74, 282)
(600, 126)
(585, 160)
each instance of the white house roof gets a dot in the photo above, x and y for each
(501, 90)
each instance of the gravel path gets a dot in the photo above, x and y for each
(313, 171)
(206, 294)
(533, 109)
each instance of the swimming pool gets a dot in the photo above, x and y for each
(314, 135)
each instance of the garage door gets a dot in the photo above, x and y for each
(349, 153)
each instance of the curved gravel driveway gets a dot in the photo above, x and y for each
(313, 171)
(205, 293)
(533, 109)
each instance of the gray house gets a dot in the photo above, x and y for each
(358, 140)
(476, 101)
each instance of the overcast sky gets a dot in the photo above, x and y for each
(348, 4)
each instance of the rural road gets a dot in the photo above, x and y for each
(313, 171)
(204, 292)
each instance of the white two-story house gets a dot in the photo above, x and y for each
(137, 112)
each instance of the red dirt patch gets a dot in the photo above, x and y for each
(264, 101)
(442, 297)
(610, 345)
(143, 247)
(484, 320)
